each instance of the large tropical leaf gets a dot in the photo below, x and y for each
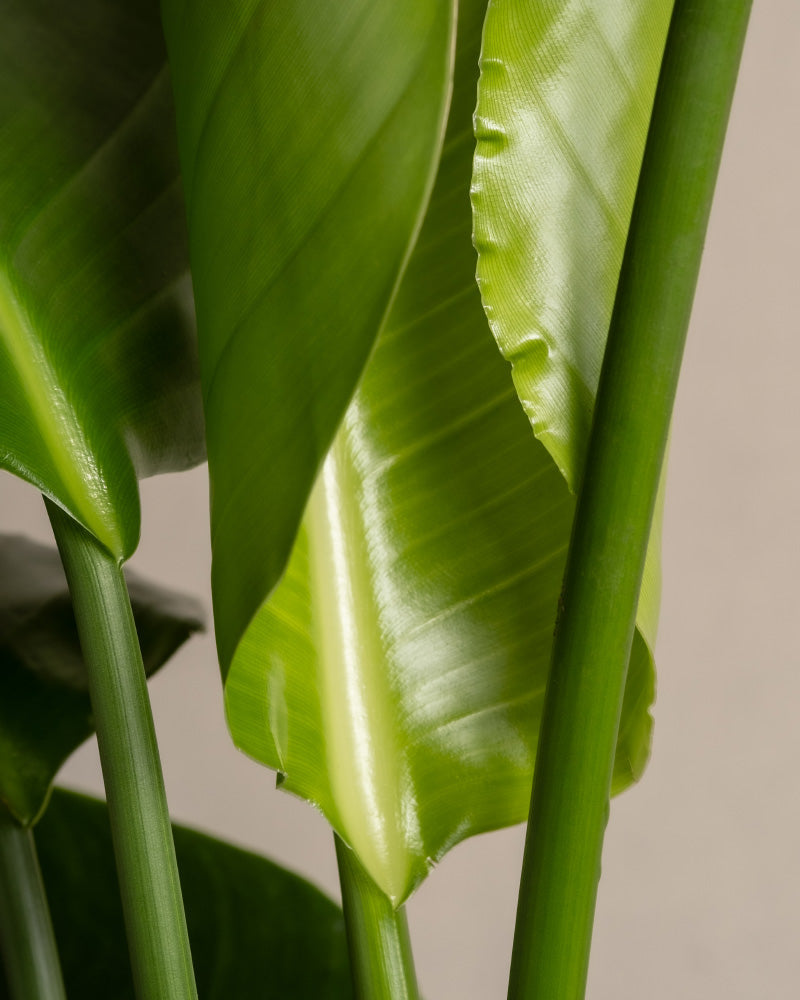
(45, 712)
(97, 359)
(308, 136)
(396, 677)
(563, 108)
(256, 930)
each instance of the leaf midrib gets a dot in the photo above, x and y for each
(364, 756)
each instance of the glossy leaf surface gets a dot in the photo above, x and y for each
(45, 711)
(97, 356)
(396, 677)
(564, 103)
(255, 928)
(308, 137)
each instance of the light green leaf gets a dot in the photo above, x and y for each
(396, 677)
(563, 108)
(255, 929)
(45, 712)
(97, 359)
(308, 137)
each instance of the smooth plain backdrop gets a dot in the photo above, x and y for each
(700, 894)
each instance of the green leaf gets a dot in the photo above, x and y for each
(45, 712)
(396, 677)
(308, 138)
(97, 355)
(255, 928)
(564, 103)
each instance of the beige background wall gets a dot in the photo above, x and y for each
(700, 896)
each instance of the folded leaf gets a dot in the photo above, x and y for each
(564, 104)
(396, 677)
(308, 137)
(97, 355)
(45, 712)
(255, 929)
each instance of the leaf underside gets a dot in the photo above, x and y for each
(97, 355)
(255, 929)
(45, 712)
(395, 677)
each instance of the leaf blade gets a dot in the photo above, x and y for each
(563, 107)
(96, 322)
(333, 123)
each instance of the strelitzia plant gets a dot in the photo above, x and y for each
(389, 532)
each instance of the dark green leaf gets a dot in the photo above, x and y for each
(45, 711)
(97, 355)
(256, 930)
(309, 136)
(396, 677)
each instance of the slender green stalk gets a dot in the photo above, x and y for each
(137, 805)
(570, 801)
(27, 942)
(381, 962)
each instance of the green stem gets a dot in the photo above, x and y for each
(137, 805)
(570, 801)
(381, 962)
(27, 942)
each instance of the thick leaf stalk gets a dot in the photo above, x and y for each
(140, 826)
(27, 943)
(570, 803)
(381, 962)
